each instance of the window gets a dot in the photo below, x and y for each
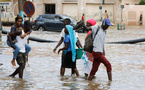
(50, 9)
(51, 18)
(57, 18)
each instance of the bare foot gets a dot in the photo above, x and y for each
(11, 76)
(13, 63)
(1, 64)
(91, 77)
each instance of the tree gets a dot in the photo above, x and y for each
(142, 2)
(120, 1)
(20, 6)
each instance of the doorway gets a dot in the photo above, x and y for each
(49, 8)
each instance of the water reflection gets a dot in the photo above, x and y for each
(69, 82)
(77, 83)
(0, 46)
(99, 86)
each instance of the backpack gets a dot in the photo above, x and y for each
(89, 42)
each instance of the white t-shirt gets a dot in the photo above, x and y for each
(62, 34)
(99, 39)
(22, 42)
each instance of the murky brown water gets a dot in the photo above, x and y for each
(42, 73)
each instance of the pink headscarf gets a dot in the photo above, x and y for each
(92, 22)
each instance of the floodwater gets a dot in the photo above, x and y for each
(42, 70)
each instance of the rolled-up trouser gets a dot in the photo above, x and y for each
(21, 58)
(100, 58)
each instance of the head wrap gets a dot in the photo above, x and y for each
(73, 41)
(92, 22)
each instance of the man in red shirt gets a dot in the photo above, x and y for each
(83, 17)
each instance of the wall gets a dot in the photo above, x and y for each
(130, 2)
(75, 9)
(132, 14)
(70, 12)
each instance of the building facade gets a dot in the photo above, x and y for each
(90, 8)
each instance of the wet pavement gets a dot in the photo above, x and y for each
(42, 70)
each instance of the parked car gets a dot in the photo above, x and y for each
(51, 22)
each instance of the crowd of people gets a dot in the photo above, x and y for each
(95, 58)
(19, 36)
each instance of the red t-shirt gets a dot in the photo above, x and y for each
(83, 18)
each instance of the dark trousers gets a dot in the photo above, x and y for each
(21, 60)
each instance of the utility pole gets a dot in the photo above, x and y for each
(0, 20)
(102, 3)
(122, 6)
(100, 7)
(20, 6)
(0, 24)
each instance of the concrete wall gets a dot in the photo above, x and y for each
(75, 9)
(130, 2)
(132, 14)
(72, 13)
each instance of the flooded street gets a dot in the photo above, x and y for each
(42, 71)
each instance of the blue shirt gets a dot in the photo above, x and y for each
(67, 39)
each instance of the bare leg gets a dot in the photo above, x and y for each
(1, 64)
(15, 72)
(27, 59)
(62, 71)
(21, 69)
(109, 75)
(76, 71)
(13, 62)
(91, 77)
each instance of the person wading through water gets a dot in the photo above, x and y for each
(69, 50)
(67, 21)
(21, 57)
(98, 48)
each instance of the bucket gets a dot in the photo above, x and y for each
(79, 52)
(118, 27)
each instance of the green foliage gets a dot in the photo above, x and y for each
(142, 2)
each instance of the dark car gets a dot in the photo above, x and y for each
(51, 22)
